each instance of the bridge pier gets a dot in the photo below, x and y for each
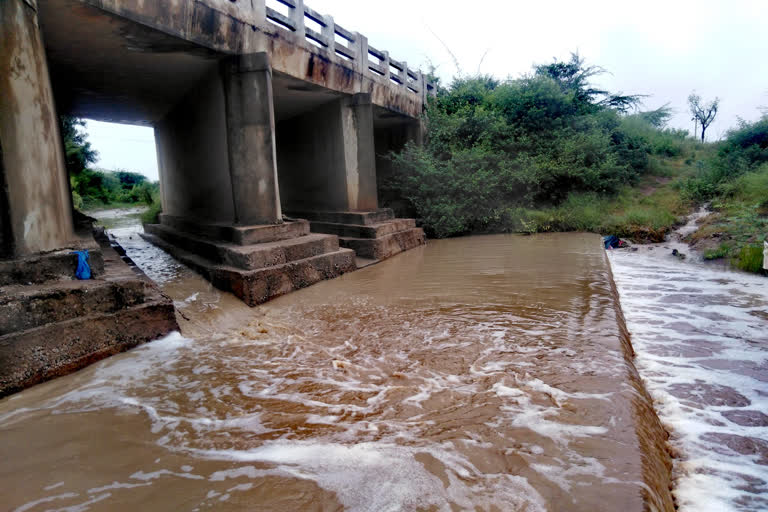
(34, 188)
(327, 164)
(221, 202)
(326, 158)
(216, 147)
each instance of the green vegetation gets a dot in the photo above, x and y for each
(545, 152)
(95, 188)
(735, 180)
(549, 152)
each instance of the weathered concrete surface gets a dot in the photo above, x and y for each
(193, 154)
(374, 235)
(56, 265)
(317, 258)
(61, 326)
(248, 257)
(190, 27)
(216, 147)
(34, 189)
(251, 139)
(240, 235)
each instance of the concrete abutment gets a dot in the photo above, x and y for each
(50, 323)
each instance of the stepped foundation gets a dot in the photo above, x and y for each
(256, 263)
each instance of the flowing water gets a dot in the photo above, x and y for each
(701, 338)
(483, 373)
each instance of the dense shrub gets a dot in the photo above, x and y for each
(743, 151)
(93, 188)
(496, 148)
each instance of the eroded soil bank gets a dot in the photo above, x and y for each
(488, 373)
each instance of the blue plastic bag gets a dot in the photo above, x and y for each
(83, 271)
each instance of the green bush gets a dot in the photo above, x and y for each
(497, 150)
(97, 188)
(715, 254)
(749, 258)
(152, 215)
(744, 150)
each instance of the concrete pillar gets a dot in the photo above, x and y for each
(326, 158)
(216, 148)
(35, 202)
(193, 155)
(251, 138)
(360, 158)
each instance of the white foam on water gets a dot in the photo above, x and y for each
(47, 499)
(381, 476)
(701, 339)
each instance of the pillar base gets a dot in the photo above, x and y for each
(52, 324)
(255, 272)
(373, 235)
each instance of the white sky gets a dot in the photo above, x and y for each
(664, 48)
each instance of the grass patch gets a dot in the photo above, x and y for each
(716, 254)
(152, 214)
(749, 258)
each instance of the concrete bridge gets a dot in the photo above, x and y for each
(259, 107)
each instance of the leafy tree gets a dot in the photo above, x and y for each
(77, 150)
(703, 113)
(574, 78)
(744, 150)
(128, 180)
(657, 118)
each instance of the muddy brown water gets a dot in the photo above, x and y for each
(482, 373)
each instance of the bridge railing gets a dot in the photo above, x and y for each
(322, 31)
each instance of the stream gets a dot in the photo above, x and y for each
(700, 333)
(485, 373)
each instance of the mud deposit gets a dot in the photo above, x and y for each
(483, 373)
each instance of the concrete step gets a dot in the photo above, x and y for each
(48, 267)
(257, 286)
(248, 257)
(35, 355)
(27, 307)
(240, 235)
(359, 218)
(385, 246)
(363, 231)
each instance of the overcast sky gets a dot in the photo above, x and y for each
(662, 48)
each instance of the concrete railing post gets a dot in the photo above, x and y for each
(260, 10)
(422, 87)
(329, 34)
(297, 15)
(362, 53)
(404, 75)
(387, 68)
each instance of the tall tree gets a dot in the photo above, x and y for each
(78, 152)
(574, 78)
(703, 113)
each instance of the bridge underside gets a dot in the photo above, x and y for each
(240, 140)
